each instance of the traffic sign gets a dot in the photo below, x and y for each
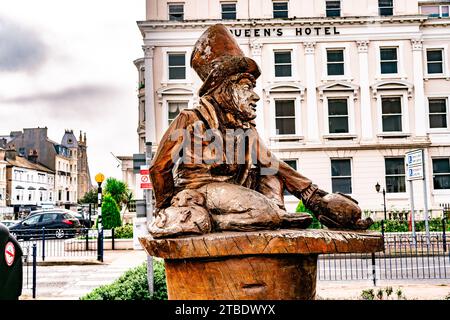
(414, 165)
(145, 182)
(10, 253)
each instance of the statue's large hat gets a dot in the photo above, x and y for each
(217, 55)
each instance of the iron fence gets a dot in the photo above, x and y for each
(404, 257)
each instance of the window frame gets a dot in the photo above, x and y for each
(176, 66)
(441, 50)
(405, 117)
(350, 113)
(285, 192)
(439, 174)
(285, 117)
(228, 3)
(172, 4)
(392, 115)
(282, 64)
(440, 6)
(387, 7)
(445, 72)
(328, 10)
(389, 61)
(447, 116)
(341, 177)
(298, 113)
(173, 99)
(395, 175)
(287, 9)
(165, 74)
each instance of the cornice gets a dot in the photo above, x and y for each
(299, 22)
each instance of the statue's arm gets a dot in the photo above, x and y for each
(293, 181)
(161, 168)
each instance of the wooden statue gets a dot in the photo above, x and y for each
(212, 171)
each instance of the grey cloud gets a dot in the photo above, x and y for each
(21, 49)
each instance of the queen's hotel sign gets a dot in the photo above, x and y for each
(283, 32)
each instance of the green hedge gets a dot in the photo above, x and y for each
(133, 285)
(315, 223)
(403, 226)
(124, 232)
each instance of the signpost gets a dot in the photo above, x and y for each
(99, 178)
(415, 164)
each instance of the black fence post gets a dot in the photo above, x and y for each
(34, 270)
(86, 230)
(444, 238)
(112, 239)
(382, 232)
(373, 270)
(43, 243)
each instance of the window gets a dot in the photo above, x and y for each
(395, 175)
(337, 116)
(285, 116)
(437, 113)
(341, 176)
(386, 7)
(280, 9)
(177, 66)
(283, 64)
(388, 60)
(435, 11)
(333, 8)
(441, 173)
(335, 62)
(33, 220)
(293, 165)
(176, 12)
(174, 109)
(49, 217)
(228, 11)
(434, 61)
(391, 109)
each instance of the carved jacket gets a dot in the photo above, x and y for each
(198, 149)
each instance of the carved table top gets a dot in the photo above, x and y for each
(285, 241)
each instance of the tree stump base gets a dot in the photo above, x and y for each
(258, 265)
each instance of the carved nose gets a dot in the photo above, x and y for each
(255, 97)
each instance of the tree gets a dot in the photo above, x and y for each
(89, 197)
(117, 189)
(315, 223)
(110, 213)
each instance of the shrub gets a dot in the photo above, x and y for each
(117, 189)
(315, 223)
(110, 213)
(124, 232)
(403, 226)
(133, 285)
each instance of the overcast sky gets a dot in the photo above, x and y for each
(68, 64)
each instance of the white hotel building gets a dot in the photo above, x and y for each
(347, 87)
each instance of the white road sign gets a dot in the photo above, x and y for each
(414, 173)
(414, 158)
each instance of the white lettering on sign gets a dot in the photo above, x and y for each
(415, 173)
(414, 158)
(10, 253)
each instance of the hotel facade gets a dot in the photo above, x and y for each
(347, 87)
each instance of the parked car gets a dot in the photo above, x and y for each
(84, 220)
(58, 224)
(9, 223)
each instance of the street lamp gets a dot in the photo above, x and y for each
(99, 178)
(377, 187)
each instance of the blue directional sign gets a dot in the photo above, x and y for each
(414, 165)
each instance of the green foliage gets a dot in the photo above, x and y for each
(402, 226)
(110, 213)
(89, 197)
(124, 232)
(133, 285)
(369, 294)
(315, 223)
(117, 189)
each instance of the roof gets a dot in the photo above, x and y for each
(21, 162)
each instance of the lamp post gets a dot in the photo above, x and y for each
(99, 178)
(377, 187)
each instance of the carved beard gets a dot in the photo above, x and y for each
(229, 106)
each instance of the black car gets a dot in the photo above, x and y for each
(84, 220)
(57, 224)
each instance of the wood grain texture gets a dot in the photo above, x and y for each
(284, 241)
(264, 277)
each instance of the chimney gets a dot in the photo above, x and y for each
(11, 154)
(85, 138)
(33, 156)
(80, 139)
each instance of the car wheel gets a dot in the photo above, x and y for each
(59, 233)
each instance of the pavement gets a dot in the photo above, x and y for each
(69, 280)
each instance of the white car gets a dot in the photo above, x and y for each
(9, 223)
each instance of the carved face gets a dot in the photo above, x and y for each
(244, 99)
(187, 198)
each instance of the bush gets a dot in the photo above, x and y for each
(315, 223)
(403, 226)
(133, 285)
(110, 213)
(124, 232)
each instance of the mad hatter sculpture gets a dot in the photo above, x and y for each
(212, 171)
